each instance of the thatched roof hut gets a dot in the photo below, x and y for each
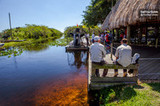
(127, 12)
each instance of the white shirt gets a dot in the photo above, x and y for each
(102, 36)
(87, 35)
(124, 54)
(93, 36)
(97, 52)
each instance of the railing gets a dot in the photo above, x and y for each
(98, 82)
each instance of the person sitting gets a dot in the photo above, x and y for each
(97, 54)
(123, 56)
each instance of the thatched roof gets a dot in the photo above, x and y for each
(126, 12)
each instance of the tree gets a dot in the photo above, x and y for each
(97, 11)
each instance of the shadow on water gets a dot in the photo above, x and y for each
(110, 94)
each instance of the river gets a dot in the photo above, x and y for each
(47, 76)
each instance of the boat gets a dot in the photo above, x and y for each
(81, 47)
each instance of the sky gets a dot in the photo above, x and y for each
(57, 14)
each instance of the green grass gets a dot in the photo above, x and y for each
(143, 95)
(28, 42)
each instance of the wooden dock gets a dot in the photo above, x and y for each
(72, 48)
(149, 69)
(95, 82)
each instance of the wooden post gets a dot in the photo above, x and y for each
(117, 34)
(111, 51)
(156, 36)
(10, 23)
(146, 34)
(135, 72)
(140, 37)
(112, 44)
(129, 34)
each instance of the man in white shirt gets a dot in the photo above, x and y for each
(87, 38)
(93, 35)
(97, 54)
(123, 56)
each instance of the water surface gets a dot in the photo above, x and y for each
(47, 76)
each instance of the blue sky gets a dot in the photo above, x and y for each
(52, 13)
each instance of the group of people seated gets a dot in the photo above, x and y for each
(123, 56)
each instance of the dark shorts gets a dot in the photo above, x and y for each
(116, 70)
(100, 63)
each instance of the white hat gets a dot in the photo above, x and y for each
(96, 38)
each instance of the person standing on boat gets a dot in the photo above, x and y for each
(87, 38)
(123, 56)
(77, 38)
(97, 55)
(93, 35)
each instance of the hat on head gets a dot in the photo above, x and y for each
(96, 38)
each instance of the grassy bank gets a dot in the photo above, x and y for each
(139, 95)
(17, 48)
(28, 42)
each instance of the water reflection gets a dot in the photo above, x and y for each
(69, 90)
(46, 77)
(77, 58)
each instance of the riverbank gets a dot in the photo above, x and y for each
(27, 42)
(16, 48)
(145, 94)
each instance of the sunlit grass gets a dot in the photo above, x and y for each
(143, 95)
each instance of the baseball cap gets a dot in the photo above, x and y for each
(96, 38)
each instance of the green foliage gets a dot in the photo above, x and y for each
(83, 29)
(31, 32)
(17, 48)
(62, 42)
(97, 11)
(13, 51)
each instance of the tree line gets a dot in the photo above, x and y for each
(30, 32)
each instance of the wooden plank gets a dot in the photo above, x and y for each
(101, 82)
(76, 48)
(114, 79)
(114, 66)
(97, 86)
